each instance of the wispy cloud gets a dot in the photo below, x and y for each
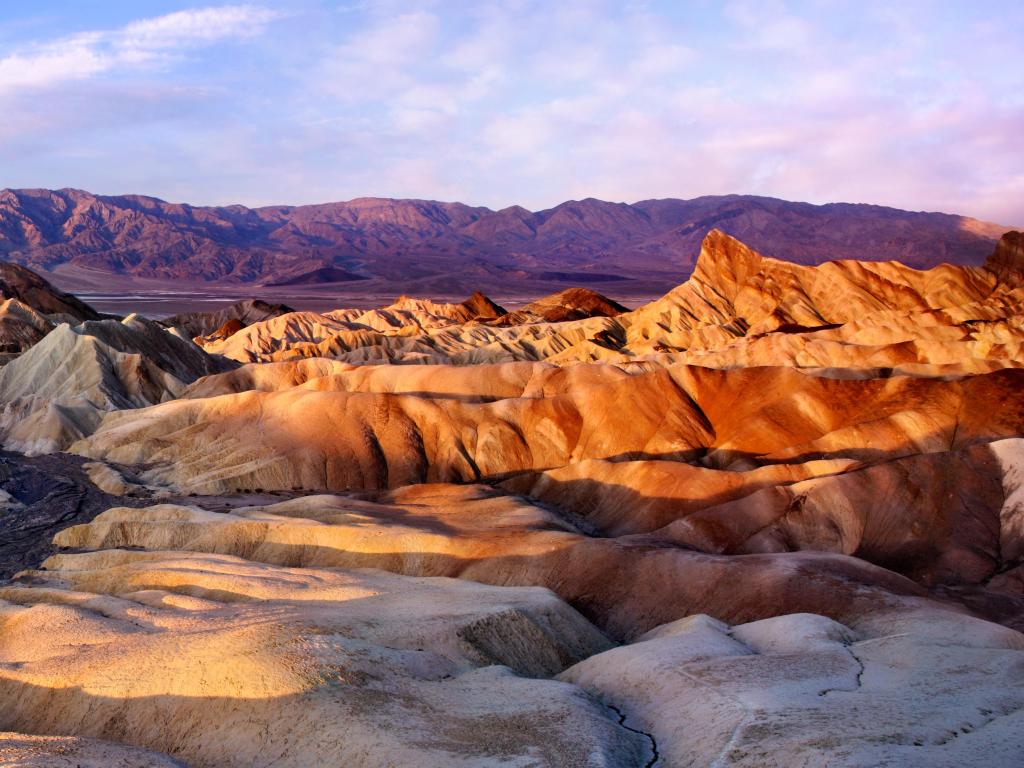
(146, 41)
(380, 60)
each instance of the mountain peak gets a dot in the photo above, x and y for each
(724, 258)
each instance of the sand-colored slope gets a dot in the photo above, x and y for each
(734, 291)
(479, 383)
(740, 309)
(160, 635)
(410, 336)
(336, 440)
(20, 750)
(253, 338)
(898, 472)
(223, 662)
(276, 659)
(626, 585)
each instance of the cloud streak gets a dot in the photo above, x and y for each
(84, 55)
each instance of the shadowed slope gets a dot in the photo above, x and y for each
(17, 282)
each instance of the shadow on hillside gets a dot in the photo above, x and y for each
(51, 493)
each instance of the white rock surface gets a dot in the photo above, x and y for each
(927, 688)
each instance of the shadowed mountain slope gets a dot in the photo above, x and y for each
(33, 291)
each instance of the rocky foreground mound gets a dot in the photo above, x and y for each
(248, 639)
(775, 518)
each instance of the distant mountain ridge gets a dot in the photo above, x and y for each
(374, 242)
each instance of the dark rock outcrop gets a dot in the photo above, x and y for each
(17, 282)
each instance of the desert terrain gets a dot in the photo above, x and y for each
(772, 517)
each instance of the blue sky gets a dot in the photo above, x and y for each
(916, 104)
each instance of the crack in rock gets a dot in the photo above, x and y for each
(654, 744)
(857, 678)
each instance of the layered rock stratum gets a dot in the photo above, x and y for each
(773, 518)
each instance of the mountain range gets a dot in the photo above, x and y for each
(380, 245)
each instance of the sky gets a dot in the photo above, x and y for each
(917, 104)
